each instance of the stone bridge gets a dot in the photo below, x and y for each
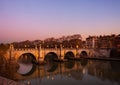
(40, 54)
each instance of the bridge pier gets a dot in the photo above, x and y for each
(39, 49)
(11, 56)
(61, 57)
(40, 55)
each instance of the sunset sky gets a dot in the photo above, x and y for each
(39, 19)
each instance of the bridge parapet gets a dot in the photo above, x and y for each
(60, 52)
(24, 49)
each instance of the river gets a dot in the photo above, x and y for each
(82, 72)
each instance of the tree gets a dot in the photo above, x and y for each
(3, 48)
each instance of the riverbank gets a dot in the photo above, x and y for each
(5, 81)
(93, 58)
(105, 59)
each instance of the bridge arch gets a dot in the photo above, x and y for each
(114, 53)
(83, 54)
(50, 56)
(69, 55)
(26, 58)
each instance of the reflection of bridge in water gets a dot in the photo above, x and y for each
(103, 70)
(77, 70)
(41, 54)
(69, 69)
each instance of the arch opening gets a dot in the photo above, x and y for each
(69, 55)
(51, 56)
(26, 58)
(83, 54)
(114, 53)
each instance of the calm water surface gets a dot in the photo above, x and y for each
(83, 72)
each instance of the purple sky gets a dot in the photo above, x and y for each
(39, 19)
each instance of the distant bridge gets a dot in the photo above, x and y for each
(41, 54)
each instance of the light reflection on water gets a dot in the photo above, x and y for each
(83, 72)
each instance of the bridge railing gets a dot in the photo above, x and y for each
(23, 49)
(29, 49)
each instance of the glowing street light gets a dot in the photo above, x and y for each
(77, 46)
